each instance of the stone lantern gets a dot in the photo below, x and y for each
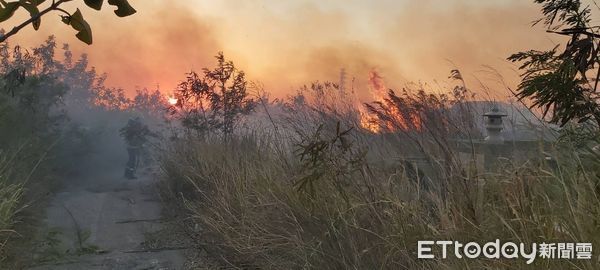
(493, 125)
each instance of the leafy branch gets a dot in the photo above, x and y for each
(559, 81)
(216, 100)
(75, 19)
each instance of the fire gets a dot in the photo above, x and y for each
(368, 121)
(398, 119)
(377, 84)
(173, 101)
(377, 88)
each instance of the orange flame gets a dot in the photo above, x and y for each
(368, 121)
(398, 120)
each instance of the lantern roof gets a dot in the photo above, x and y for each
(495, 112)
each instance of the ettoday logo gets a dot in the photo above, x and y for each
(506, 250)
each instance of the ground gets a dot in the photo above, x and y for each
(100, 220)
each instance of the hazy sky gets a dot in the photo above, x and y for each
(285, 44)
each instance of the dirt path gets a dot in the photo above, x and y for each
(101, 221)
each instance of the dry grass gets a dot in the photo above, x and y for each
(11, 192)
(319, 199)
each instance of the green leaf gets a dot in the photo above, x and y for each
(66, 20)
(95, 4)
(8, 10)
(33, 11)
(123, 8)
(78, 23)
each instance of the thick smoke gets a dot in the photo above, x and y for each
(285, 45)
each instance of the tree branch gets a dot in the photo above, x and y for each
(569, 32)
(32, 19)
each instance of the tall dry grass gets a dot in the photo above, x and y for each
(320, 193)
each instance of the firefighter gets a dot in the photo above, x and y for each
(135, 134)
